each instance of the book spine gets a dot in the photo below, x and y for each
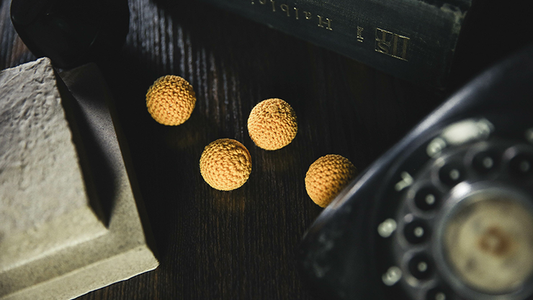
(410, 39)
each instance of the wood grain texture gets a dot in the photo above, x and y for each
(239, 244)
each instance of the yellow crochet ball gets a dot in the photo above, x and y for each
(225, 164)
(327, 176)
(170, 100)
(272, 124)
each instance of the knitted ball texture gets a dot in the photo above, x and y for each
(272, 124)
(327, 176)
(225, 164)
(170, 100)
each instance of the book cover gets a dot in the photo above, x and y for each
(410, 39)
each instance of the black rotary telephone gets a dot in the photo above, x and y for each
(445, 214)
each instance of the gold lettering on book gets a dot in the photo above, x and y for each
(360, 37)
(323, 22)
(285, 8)
(391, 44)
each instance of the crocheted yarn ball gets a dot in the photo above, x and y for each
(170, 100)
(225, 164)
(272, 124)
(327, 176)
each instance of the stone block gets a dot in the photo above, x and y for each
(69, 211)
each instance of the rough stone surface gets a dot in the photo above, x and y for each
(42, 187)
(121, 249)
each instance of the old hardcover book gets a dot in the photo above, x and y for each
(410, 39)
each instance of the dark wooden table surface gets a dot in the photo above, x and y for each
(239, 244)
